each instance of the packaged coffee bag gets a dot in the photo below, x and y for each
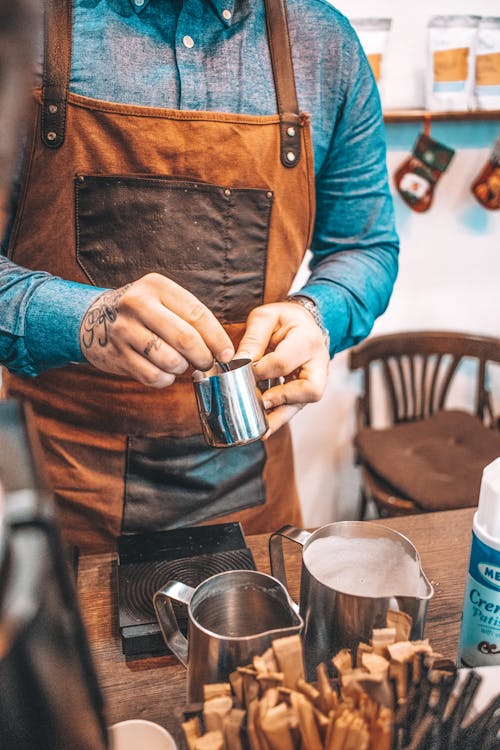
(487, 88)
(373, 34)
(450, 64)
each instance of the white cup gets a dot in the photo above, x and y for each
(138, 734)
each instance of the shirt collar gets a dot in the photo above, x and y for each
(223, 8)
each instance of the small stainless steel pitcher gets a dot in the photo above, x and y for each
(230, 404)
(335, 618)
(232, 617)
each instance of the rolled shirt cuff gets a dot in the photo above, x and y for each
(53, 320)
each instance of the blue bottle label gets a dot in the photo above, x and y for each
(480, 631)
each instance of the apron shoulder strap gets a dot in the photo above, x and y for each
(284, 81)
(56, 70)
(57, 63)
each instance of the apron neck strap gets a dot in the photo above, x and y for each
(284, 81)
(56, 70)
(57, 63)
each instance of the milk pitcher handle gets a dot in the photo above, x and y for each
(162, 600)
(276, 556)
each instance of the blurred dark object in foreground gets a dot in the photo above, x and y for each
(49, 695)
(18, 19)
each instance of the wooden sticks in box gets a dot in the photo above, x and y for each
(396, 694)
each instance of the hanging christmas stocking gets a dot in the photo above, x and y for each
(416, 178)
(486, 187)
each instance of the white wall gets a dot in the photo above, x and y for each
(449, 274)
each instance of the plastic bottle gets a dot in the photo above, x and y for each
(480, 631)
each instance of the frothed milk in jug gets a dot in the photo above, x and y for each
(365, 567)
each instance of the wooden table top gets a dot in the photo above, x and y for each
(154, 688)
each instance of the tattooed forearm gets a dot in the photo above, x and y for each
(100, 315)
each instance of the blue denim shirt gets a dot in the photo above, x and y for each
(213, 55)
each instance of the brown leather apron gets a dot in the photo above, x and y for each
(223, 204)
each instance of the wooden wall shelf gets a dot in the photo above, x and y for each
(414, 115)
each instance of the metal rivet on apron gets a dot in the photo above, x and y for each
(227, 192)
(53, 108)
(290, 132)
(269, 194)
(290, 156)
(51, 136)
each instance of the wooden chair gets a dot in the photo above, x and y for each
(426, 456)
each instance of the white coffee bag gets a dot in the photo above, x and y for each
(450, 62)
(373, 34)
(487, 76)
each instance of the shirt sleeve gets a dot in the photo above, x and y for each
(355, 245)
(40, 318)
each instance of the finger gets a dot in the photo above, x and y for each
(258, 333)
(290, 352)
(153, 344)
(276, 364)
(164, 356)
(280, 416)
(290, 355)
(190, 309)
(181, 337)
(150, 375)
(132, 364)
(303, 390)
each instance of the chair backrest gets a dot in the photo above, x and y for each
(418, 368)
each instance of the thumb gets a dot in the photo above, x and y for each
(256, 338)
(249, 349)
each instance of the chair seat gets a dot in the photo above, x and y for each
(436, 462)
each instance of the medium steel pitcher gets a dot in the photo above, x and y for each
(334, 618)
(230, 404)
(232, 617)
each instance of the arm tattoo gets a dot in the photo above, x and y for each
(100, 315)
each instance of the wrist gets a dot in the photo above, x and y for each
(310, 305)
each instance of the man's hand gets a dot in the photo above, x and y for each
(285, 341)
(152, 330)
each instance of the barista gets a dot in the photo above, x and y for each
(171, 187)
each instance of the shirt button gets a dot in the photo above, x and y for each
(226, 14)
(187, 40)
(139, 3)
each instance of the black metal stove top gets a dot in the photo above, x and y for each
(146, 562)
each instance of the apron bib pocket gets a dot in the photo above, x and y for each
(209, 239)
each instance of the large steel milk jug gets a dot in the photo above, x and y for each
(341, 613)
